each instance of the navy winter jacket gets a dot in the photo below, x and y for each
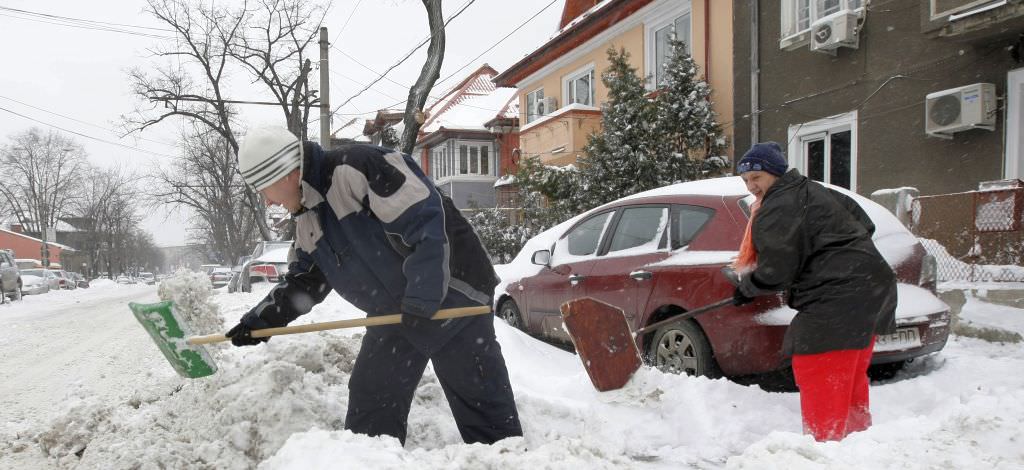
(376, 230)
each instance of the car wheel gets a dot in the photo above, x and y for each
(680, 348)
(509, 312)
(18, 294)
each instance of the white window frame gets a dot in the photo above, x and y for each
(1014, 159)
(571, 77)
(651, 28)
(792, 36)
(457, 170)
(801, 133)
(530, 114)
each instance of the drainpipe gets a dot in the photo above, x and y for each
(707, 41)
(755, 73)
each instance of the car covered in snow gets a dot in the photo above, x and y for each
(268, 263)
(10, 277)
(660, 253)
(47, 276)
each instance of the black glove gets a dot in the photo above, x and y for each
(241, 334)
(738, 298)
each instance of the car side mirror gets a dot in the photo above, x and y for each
(541, 257)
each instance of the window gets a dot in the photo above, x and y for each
(467, 159)
(535, 105)
(686, 222)
(579, 87)
(798, 15)
(583, 239)
(678, 28)
(826, 150)
(640, 228)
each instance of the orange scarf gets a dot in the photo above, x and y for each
(746, 260)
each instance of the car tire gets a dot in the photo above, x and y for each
(681, 347)
(18, 293)
(509, 312)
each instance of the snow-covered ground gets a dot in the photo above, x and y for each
(85, 388)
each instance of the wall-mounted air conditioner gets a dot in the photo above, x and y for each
(960, 109)
(840, 29)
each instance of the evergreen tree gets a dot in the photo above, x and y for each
(619, 159)
(686, 129)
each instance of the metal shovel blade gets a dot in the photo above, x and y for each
(603, 341)
(170, 332)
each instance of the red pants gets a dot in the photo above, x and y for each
(834, 392)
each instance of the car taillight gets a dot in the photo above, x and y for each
(929, 273)
(267, 269)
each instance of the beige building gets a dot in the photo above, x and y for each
(559, 85)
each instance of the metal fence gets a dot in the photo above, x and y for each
(974, 236)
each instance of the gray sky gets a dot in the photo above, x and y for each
(75, 78)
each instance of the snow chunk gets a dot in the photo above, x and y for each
(190, 291)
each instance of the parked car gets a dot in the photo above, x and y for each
(66, 281)
(268, 263)
(10, 277)
(49, 277)
(234, 284)
(124, 279)
(659, 253)
(33, 285)
(220, 277)
(148, 278)
(80, 280)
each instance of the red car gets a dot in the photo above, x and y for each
(659, 253)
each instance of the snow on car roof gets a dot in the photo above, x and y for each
(277, 255)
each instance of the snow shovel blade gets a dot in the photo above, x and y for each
(603, 341)
(169, 332)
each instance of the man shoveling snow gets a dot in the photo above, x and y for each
(372, 227)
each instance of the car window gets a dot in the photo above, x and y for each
(582, 240)
(640, 228)
(686, 222)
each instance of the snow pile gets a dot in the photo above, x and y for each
(190, 291)
(102, 284)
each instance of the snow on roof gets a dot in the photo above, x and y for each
(556, 113)
(472, 110)
(505, 180)
(582, 17)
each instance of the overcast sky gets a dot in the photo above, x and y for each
(75, 78)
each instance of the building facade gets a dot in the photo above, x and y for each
(883, 94)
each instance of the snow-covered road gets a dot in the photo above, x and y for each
(86, 388)
(56, 342)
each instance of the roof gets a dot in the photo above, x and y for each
(590, 23)
(471, 104)
(50, 243)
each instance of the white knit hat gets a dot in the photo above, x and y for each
(268, 154)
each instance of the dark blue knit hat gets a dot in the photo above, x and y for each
(765, 156)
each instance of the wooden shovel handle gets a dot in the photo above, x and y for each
(443, 314)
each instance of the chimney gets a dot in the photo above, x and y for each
(16, 228)
(573, 9)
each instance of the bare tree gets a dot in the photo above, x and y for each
(100, 191)
(268, 41)
(431, 70)
(206, 182)
(39, 175)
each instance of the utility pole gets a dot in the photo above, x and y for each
(325, 93)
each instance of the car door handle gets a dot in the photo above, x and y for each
(575, 279)
(641, 275)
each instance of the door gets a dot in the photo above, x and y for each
(1014, 120)
(563, 278)
(621, 277)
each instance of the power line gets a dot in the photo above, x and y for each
(82, 122)
(80, 20)
(407, 56)
(85, 135)
(353, 12)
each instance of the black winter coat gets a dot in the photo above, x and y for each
(815, 243)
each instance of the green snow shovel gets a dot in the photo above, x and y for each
(186, 354)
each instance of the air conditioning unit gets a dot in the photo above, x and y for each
(960, 109)
(837, 30)
(550, 104)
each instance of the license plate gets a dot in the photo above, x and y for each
(903, 338)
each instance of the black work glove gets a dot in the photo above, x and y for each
(241, 334)
(738, 298)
